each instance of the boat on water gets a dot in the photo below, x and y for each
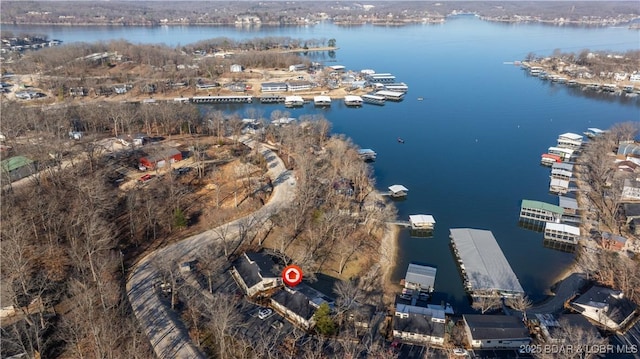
(420, 99)
(354, 101)
(374, 99)
(400, 140)
(293, 101)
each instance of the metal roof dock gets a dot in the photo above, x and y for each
(485, 268)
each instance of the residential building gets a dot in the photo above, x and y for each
(605, 306)
(495, 331)
(419, 325)
(273, 87)
(294, 306)
(299, 86)
(254, 273)
(160, 157)
(631, 190)
(612, 241)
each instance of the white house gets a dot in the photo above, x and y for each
(606, 307)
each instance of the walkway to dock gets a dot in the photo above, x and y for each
(401, 223)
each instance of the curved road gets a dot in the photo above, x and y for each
(167, 334)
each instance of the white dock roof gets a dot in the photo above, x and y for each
(352, 98)
(390, 93)
(560, 149)
(398, 188)
(571, 136)
(563, 165)
(567, 202)
(294, 98)
(425, 276)
(421, 219)
(485, 264)
(556, 182)
(562, 228)
(322, 98)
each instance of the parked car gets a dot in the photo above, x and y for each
(146, 178)
(265, 313)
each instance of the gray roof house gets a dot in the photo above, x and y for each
(254, 273)
(495, 331)
(418, 328)
(606, 307)
(294, 306)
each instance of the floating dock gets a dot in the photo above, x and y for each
(222, 99)
(485, 269)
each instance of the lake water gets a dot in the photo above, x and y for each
(472, 146)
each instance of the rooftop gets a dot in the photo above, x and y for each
(419, 323)
(13, 163)
(421, 218)
(527, 203)
(562, 228)
(296, 302)
(617, 307)
(485, 264)
(425, 276)
(484, 327)
(253, 267)
(567, 202)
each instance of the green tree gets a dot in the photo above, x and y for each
(179, 219)
(332, 43)
(325, 324)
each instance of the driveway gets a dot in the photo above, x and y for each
(167, 334)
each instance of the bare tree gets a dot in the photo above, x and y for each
(485, 303)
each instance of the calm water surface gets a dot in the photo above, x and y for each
(472, 146)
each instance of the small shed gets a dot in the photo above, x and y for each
(160, 158)
(17, 167)
(398, 190)
(236, 68)
(421, 221)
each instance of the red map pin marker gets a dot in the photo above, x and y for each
(292, 275)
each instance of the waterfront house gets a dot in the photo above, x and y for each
(299, 86)
(536, 211)
(294, 306)
(419, 325)
(420, 278)
(485, 269)
(560, 232)
(629, 150)
(495, 331)
(605, 306)
(254, 273)
(273, 87)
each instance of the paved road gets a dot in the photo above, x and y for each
(167, 334)
(566, 289)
